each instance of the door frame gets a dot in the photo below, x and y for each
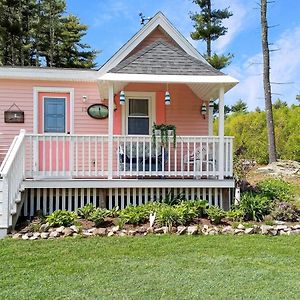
(151, 96)
(37, 90)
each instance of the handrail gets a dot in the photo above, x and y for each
(12, 153)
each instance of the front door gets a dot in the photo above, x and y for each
(54, 124)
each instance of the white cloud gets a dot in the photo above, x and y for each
(285, 66)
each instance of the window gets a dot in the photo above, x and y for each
(54, 115)
(138, 116)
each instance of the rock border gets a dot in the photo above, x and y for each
(47, 232)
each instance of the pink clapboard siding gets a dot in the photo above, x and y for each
(184, 111)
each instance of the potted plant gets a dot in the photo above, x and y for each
(164, 131)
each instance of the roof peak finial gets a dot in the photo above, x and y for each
(143, 18)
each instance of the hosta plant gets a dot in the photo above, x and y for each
(61, 218)
(215, 214)
(98, 216)
(86, 211)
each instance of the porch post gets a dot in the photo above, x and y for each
(210, 120)
(110, 129)
(221, 133)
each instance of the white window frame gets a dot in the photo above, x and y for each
(150, 96)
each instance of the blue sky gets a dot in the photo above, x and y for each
(112, 22)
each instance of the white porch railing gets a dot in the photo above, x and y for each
(12, 171)
(191, 156)
(86, 156)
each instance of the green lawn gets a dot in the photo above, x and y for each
(153, 267)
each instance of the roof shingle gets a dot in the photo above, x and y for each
(162, 58)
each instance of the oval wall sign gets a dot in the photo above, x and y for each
(98, 111)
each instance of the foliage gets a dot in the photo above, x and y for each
(39, 33)
(173, 199)
(134, 214)
(114, 212)
(61, 218)
(275, 189)
(215, 214)
(239, 107)
(167, 216)
(254, 206)
(285, 211)
(164, 136)
(86, 211)
(250, 132)
(208, 27)
(199, 206)
(235, 215)
(98, 216)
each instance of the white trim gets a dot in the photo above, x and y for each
(37, 90)
(48, 74)
(221, 133)
(110, 129)
(150, 96)
(158, 20)
(124, 77)
(128, 183)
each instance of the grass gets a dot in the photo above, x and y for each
(153, 267)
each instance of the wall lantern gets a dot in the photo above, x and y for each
(122, 98)
(203, 110)
(167, 98)
(211, 103)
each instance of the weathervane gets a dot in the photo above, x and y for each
(143, 18)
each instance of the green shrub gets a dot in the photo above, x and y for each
(98, 216)
(134, 214)
(114, 212)
(215, 214)
(86, 211)
(285, 211)
(235, 215)
(198, 205)
(167, 216)
(172, 199)
(185, 212)
(254, 206)
(275, 189)
(61, 218)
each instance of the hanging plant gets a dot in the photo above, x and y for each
(164, 131)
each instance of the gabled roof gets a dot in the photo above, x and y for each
(162, 58)
(158, 20)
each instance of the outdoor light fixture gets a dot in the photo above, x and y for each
(167, 98)
(211, 103)
(122, 98)
(203, 109)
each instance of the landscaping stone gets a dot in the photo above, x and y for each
(296, 227)
(181, 230)
(100, 231)
(33, 238)
(279, 222)
(265, 229)
(273, 231)
(122, 233)
(150, 230)
(111, 233)
(86, 234)
(67, 231)
(115, 228)
(239, 231)
(159, 230)
(204, 229)
(44, 227)
(25, 236)
(227, 230)
(60, 229)
(54, 234)
(45, 235)
(281, 227)
(192, 230)
(131, 232)
(37, 234)
(17, 236)
(30, 234)
(74, 228)
(249, 230)
(241, 226)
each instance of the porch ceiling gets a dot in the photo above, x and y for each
(204, 87)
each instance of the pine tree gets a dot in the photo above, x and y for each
(208, 27)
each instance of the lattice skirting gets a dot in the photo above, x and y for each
(48, 200)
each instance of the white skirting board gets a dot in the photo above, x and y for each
(47, 200)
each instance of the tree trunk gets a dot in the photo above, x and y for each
(266, 82)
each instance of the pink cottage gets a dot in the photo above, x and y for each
(70, 137)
